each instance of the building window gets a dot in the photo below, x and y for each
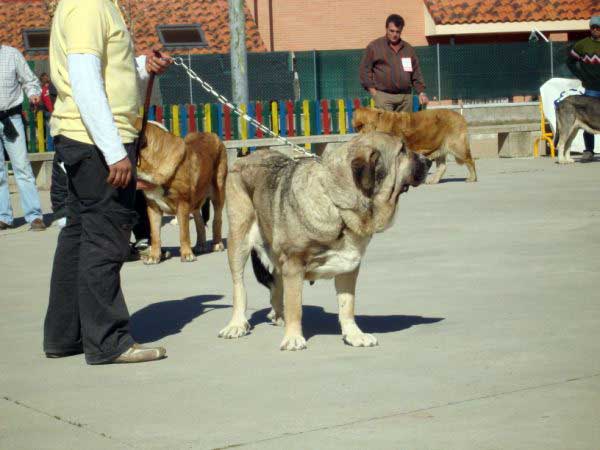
(36, 40)
(181, 36)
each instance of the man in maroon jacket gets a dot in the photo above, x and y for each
(390, 69)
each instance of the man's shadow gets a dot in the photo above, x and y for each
(158, 320)
(316, 321)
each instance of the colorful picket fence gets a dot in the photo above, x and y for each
(285, 117)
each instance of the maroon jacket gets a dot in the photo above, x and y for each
(385, 70)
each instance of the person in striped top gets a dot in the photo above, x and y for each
(390, 69)
(584, 62)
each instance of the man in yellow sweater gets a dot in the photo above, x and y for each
(96, 76)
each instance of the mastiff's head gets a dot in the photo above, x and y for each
(160, 155)
(365, 119)
(369, 174)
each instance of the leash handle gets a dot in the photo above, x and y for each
(142, 134)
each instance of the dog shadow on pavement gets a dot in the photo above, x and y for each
(453, 180)
(158, 320)
(175, 253)
(316, 321)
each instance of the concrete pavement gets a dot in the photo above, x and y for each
(484, 298)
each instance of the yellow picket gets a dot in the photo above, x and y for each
(274, 118)
(40, 131)
(207, 118)
(243, 127)
(176, 129)
(342, 115)
(306, 114)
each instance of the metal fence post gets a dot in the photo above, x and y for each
(439, 79)
(190, 79)
(551, 60)
(315, 74)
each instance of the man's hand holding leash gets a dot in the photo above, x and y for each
(157, 62)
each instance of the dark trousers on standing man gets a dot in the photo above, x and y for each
(86, 310)
(141, 230)
(588, 140)
(58, 189)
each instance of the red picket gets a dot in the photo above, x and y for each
(192, 118)
(259, 118)
(326, 117)
(289, 106)
(159, 114)
(227, 122)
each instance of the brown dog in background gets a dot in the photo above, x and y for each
(434, 133)
(183, 174)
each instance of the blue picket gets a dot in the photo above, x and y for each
(219, 128)
(349, 113)
(318, 119)
(282, 116)
(183, 120)
(252, 113)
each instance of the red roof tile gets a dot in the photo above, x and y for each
(211, 15)
(450, 12)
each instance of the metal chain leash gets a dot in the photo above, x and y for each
(208, 88)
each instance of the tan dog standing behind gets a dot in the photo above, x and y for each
(183, 174)
(434, 133)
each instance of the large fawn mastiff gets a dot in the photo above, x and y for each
(308, 219)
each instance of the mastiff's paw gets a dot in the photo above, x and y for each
(275, 318)
(188, 256)
(151, 258)
(360, 340)
(432, 180)
(293, 343)
(566, 161)
(219, 247)
(235, 330)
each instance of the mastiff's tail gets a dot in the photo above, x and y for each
(261, 272)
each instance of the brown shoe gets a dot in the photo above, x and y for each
(37, 225)
(136, 353)
(4, 225)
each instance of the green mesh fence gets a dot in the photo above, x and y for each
(269, 78)
(470, 72)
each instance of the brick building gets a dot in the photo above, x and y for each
(346, 24)
(202, 26)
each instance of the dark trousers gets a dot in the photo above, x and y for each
(588, 140)
(58, 189)
(87, 309)
(141, 229)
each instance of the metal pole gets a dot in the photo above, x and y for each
(271, 34)
(191, 90)
(551, 60)
(439, 78)
(239, 61)
(296, 80)
(315, 74)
